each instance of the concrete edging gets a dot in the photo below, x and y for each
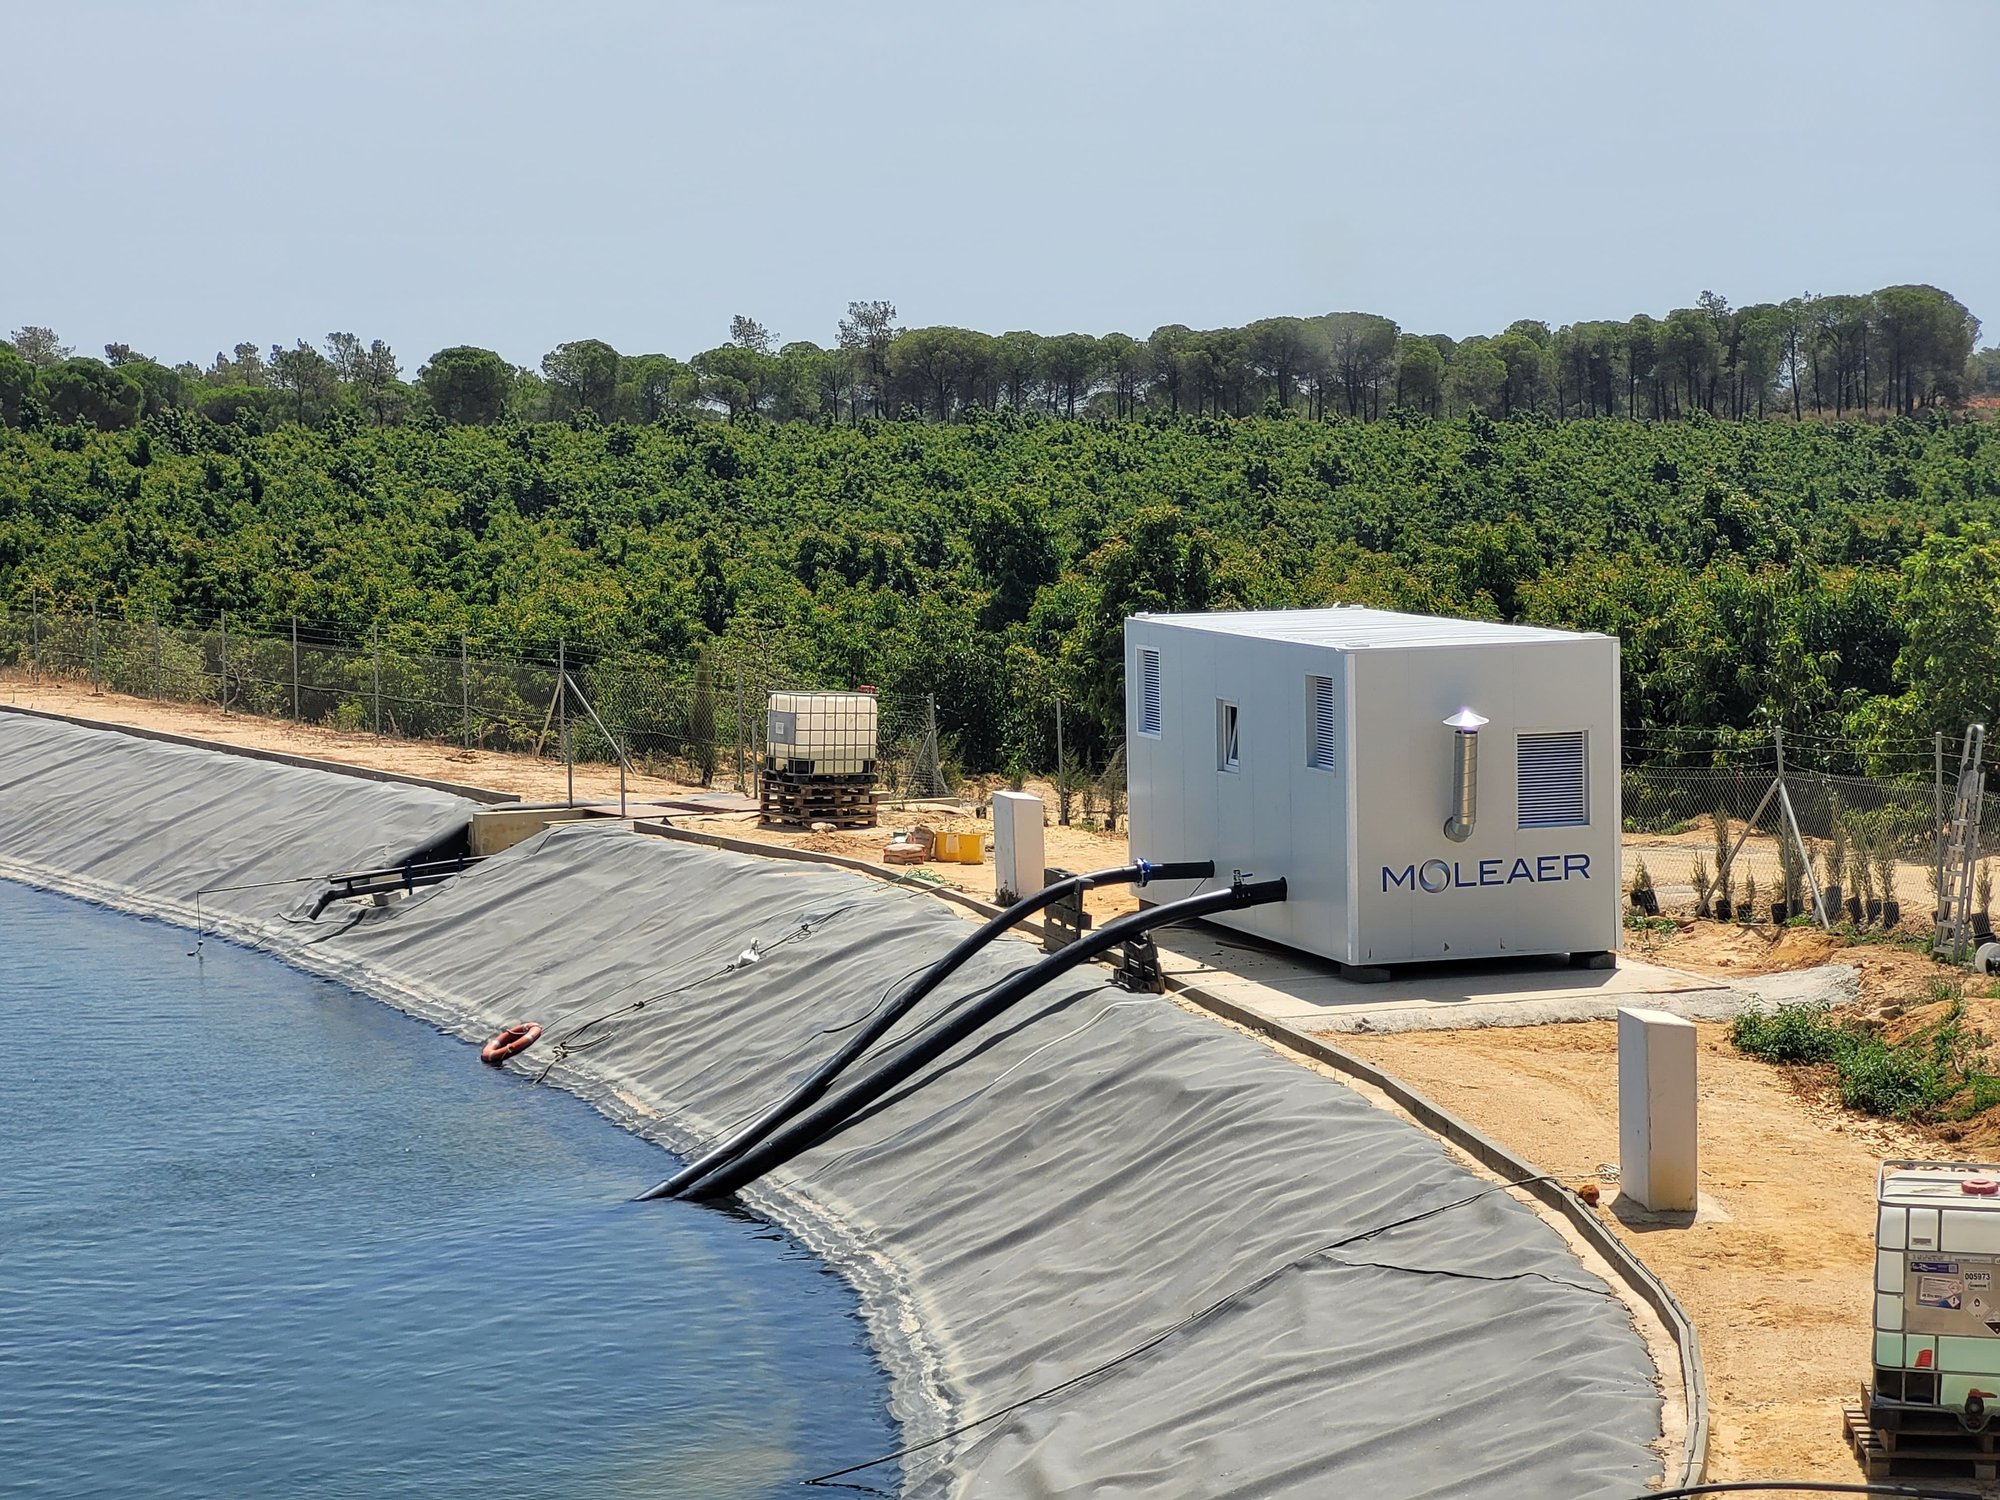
(280, 757)
(1432, 1116)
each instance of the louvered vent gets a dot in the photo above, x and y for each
(1319, 728)
(1553, 792)
(1149, 691)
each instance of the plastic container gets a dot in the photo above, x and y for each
(822, 734)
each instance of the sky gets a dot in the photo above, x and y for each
(185, 176)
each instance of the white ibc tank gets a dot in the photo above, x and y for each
(822, 734)
(1937, 1310)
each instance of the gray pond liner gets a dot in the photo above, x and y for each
(1097, 1169)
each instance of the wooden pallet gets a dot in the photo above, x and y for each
(1932, 1450)
(801, 801)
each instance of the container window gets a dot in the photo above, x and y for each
(1319, 723)
(1149, 691)
(1226, 743)
(1553, 789)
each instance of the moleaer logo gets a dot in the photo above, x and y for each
(1436, 875)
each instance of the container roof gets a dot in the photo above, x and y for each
(1353, 626)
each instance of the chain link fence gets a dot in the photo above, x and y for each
(704, 725)
(1715, 840)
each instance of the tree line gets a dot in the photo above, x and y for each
(1892, 352)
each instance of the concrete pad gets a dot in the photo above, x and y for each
(1309, 993)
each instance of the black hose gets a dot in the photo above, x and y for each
(817, 1082)
(837, 1111)
(1805, 1487)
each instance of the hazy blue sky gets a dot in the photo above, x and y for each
(182, 176)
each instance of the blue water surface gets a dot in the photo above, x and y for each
(261, 1236)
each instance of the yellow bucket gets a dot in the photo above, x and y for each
(959, 848)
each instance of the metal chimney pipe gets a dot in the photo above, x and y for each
(1465, 775)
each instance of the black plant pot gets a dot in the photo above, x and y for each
(1892, 913)
(1874, 909)
(1831, 896)
(1780, 913)
(1982, 927)
(1854, 912)
(1647, 901)
(1724, 908)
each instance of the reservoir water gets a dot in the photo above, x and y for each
(262, 1236)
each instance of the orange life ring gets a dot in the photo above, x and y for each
(516, 1038)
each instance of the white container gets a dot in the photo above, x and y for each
(1658, 1139)
(1018, 861)
(822, 734)
(1312, 744)
(1937, 1250)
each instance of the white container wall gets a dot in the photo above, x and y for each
(1312, 744)
(822, 734)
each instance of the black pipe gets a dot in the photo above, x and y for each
(818, 1081)
(838, 1111)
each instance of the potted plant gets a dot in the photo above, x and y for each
(1750, 897)
(1982, 919)
(1642, 889)
(1791, 877)
(1698, 878)
(1857, 889)
(1885, 874)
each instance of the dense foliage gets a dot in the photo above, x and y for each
(1837, 578)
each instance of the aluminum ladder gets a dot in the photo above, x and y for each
(1961, 850)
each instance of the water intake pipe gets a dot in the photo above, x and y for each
(1464, 775)
(816, 1083)
(838, 1111)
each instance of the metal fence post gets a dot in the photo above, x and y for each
(222, 677)
(465, 684)
(375, 635)
(931, 756)
(295, 671)
(159, 661)
(1062, 772)
(738, 731)
(34, 640)
(95, 653)
(1938, 834)
(562, 714)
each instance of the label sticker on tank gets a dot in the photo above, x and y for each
(1941, 1267)
(1947, 1292)
(1979, 1281)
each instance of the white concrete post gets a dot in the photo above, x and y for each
(1017, 845)
(1657, 1156)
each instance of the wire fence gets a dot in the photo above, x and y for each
(707, 725)
(1716, 840)
(1706, 832)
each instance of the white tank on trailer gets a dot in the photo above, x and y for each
(822, 734)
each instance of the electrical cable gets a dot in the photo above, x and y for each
(566, 1044)
(1200, 1315)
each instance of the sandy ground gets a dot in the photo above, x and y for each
(1776, 1270)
